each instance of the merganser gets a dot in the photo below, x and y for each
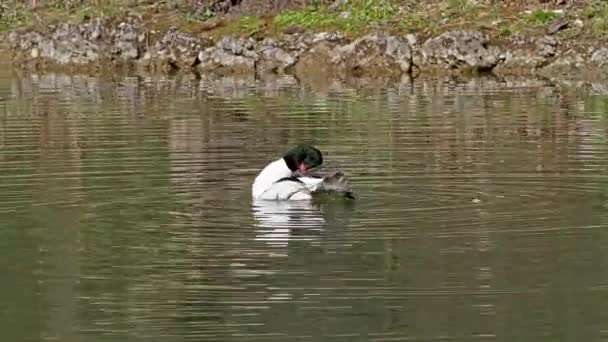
(280, 180)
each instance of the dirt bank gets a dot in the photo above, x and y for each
(558, 42)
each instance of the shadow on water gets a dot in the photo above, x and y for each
(126, 211)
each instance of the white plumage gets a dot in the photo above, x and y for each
(279, 181)
(268, 187)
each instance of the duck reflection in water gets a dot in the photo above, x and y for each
(279, 222)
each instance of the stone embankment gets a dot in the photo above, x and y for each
(101, 43)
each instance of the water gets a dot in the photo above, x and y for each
(125, 212)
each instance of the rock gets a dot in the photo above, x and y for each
(82, 44)
(274, 59)
(327, 37)
(127, 40)
(314, 62)
(176, 49)
(400, 52)
(600, 57)
(222, 62)
(70, 44)
(519, 62)
(546, 46)
(411, 39)
(236, 46)
(557, 24)
(127, 32)
(322, 56)
(457, 49)
(308, 39)
(93, 30)
(126, 50)
(527, 56)
(229, 56)
(566, 64)
(24, 40)
(374, 54)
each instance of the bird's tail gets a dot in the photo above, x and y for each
(336, 182)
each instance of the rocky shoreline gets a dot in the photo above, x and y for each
(101, 43)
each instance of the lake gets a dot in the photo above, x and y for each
(126, 212)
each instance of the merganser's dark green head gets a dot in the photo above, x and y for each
(302, 158)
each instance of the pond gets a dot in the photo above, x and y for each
(126, 212)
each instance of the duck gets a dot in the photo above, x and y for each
(288, 179)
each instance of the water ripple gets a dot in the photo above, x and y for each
(126, 206)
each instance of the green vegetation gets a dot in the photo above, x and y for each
(452, 8)
(415, 22)
(247, 24)
(596, 12)
(353, 16)
(356, 16)
(541, 16)
(309, 17)
(12, 15)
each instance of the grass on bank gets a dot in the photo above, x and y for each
(596, 13)
(15, 13)
(353, 16)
